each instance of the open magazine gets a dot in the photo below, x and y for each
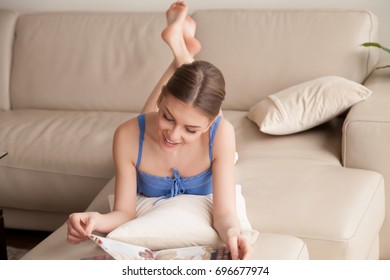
(123, 251)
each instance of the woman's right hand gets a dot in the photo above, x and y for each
(81, 226)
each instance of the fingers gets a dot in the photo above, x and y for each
(232, 246)
(244, 248)
(232, 243)
(239, 247)
(74, 237)
(76, 223)
(80, 226)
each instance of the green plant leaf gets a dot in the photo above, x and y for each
(377, 45)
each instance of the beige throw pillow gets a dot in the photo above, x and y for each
(306, 105)
(180, 221)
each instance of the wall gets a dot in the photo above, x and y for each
(380, 7)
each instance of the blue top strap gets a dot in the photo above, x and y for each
(213, 131)
(141, 123)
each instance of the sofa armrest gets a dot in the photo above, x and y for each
(7, 29)
(366, 130)
(366, 135)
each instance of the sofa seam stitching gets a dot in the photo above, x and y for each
(50, 171)
(369, 203)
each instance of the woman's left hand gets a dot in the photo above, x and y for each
(238, 246)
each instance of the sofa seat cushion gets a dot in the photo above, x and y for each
(320, 144)
(271, 246)
(296, 185)
(68, 150)
(337, 211)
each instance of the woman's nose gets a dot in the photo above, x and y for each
(175, 134)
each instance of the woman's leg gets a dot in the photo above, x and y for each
(173, 34)
(179, 35)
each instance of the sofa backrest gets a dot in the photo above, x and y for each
(87, 61)
(111, 61)
(263, 51)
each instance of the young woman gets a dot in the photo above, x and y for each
(180, 142)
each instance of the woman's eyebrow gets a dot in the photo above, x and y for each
(193, 126)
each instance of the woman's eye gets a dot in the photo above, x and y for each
(191, 131)
(166, 117)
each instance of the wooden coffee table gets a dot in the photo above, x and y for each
(3, 246)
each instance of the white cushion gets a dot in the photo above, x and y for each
(306, 105)
(180, 221)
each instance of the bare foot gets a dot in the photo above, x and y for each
(173, 34)
(193, 45)
(175, 11)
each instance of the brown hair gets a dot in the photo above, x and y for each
(199, 84)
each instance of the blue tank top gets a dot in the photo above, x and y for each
(166, 187)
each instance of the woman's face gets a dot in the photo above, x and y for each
(179, 123)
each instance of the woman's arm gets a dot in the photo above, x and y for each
(125, 153)
(224, 192)
(180, 37)
(151, 102)
(81, 225)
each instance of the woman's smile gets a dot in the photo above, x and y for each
(170, 143)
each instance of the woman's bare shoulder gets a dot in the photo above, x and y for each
(127, 128)
(225, 136)
(125, 144)
(225, 128)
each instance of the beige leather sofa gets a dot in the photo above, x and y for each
(67, 80)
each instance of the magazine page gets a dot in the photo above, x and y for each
(193, 253)
(122, 251)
